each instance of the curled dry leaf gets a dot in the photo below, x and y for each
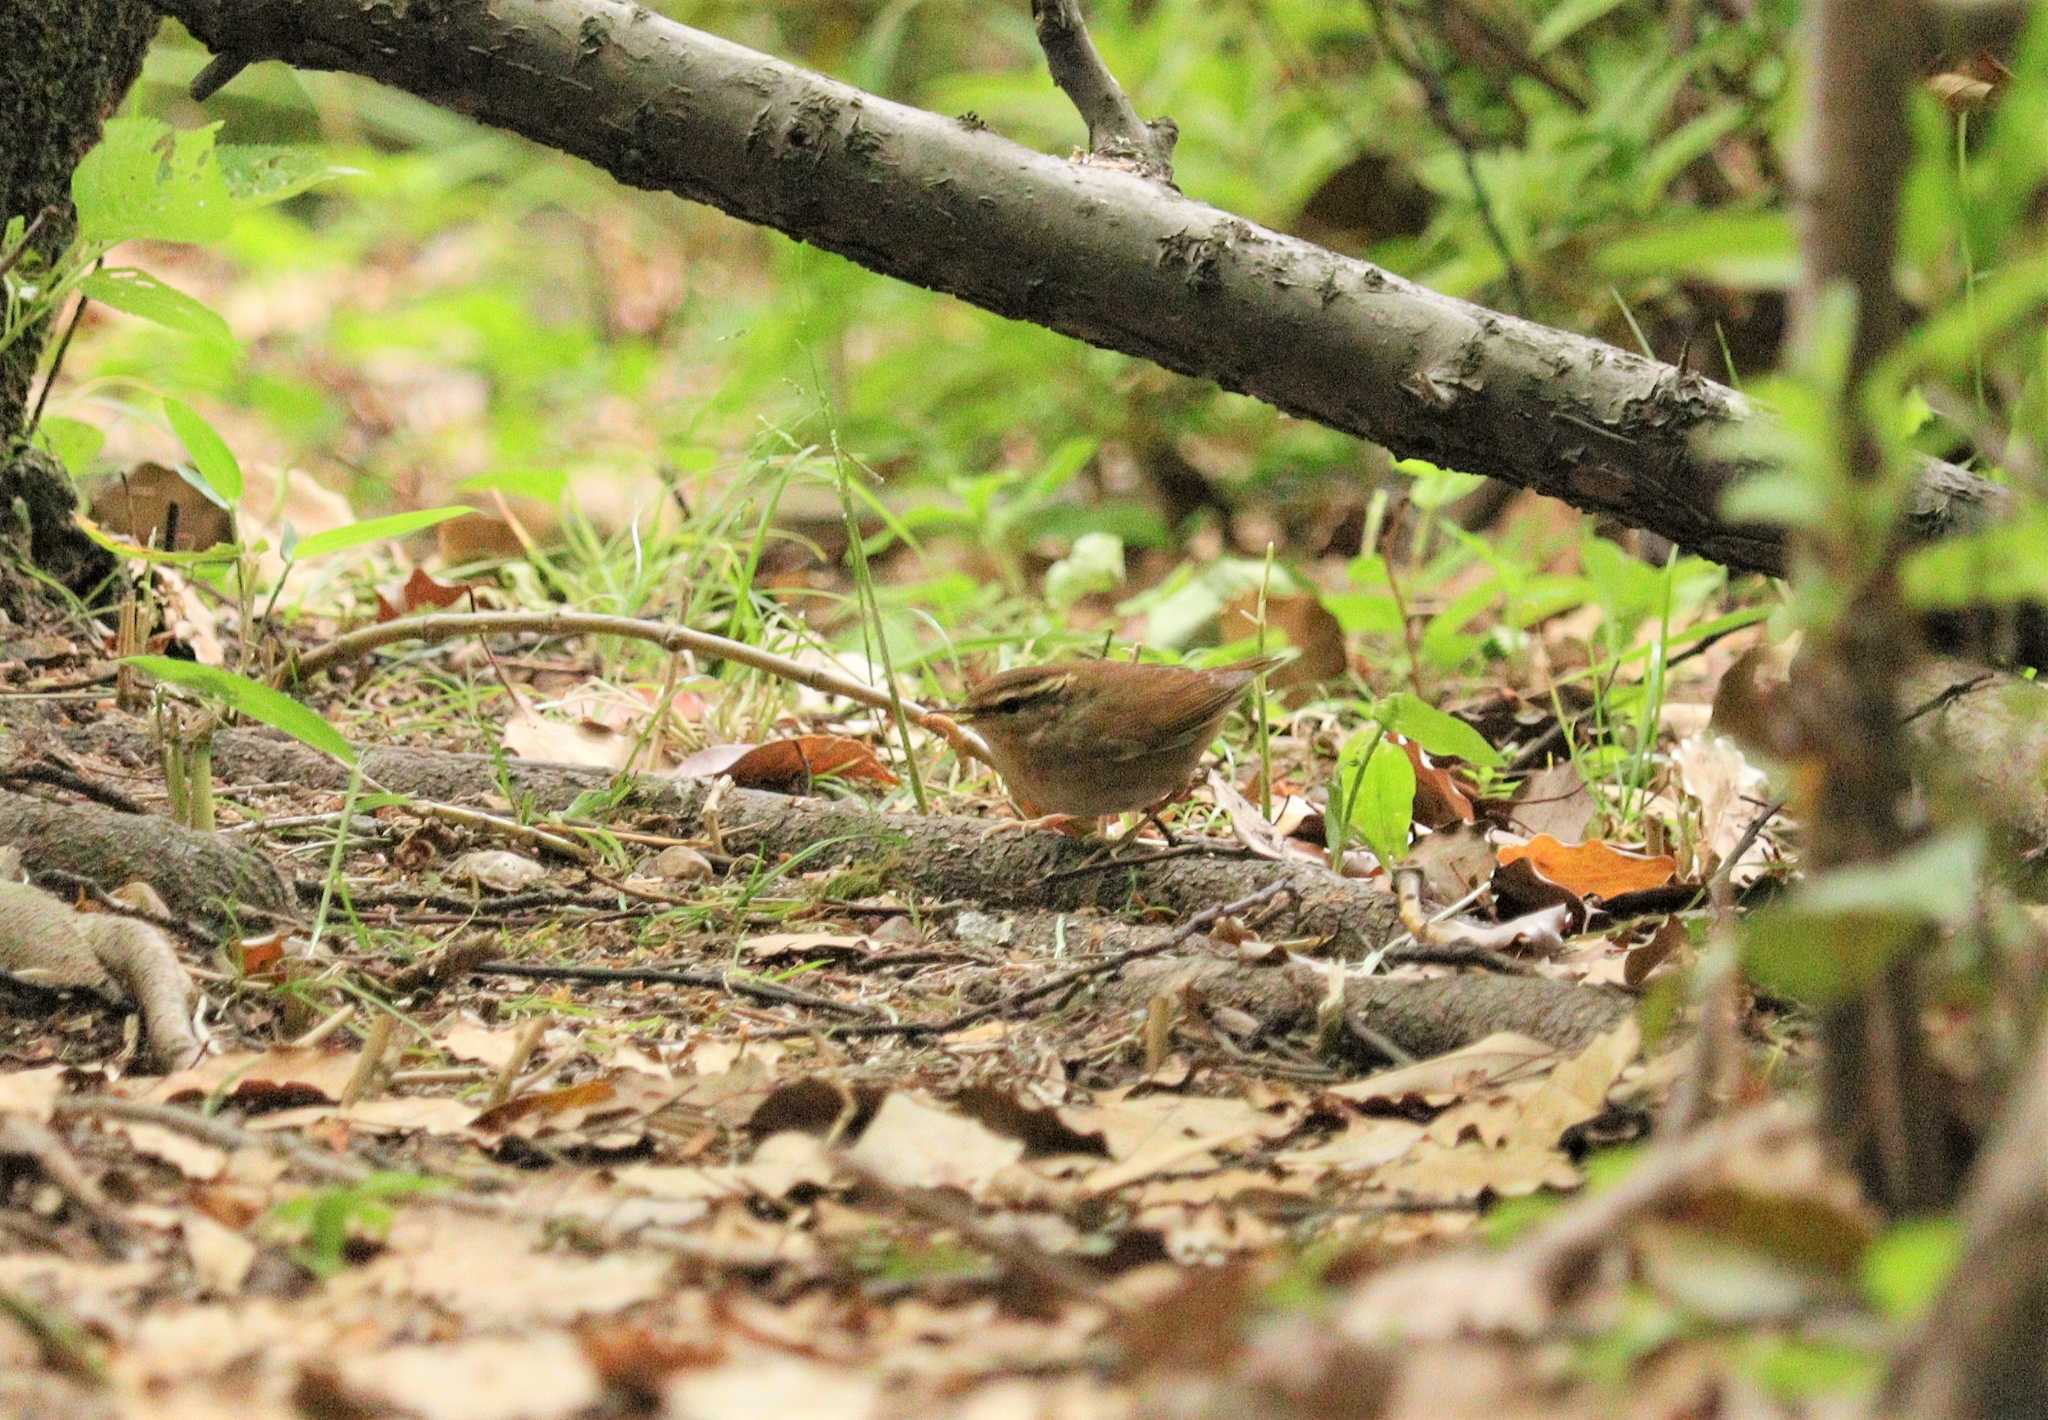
(915, 1145)
(421, 592)
(188, 619)
(1499, 1059)
(601, 1104)
(581, 742)
(1520, 886)
(781, 1164)
(1663, 944)
(804, 946)
(494, 1048)
(31, 1092)
(497, 869)
(1296, 832)
(1441, 797)
(1540, 932)
(151, 501)
(264, 956)
(1731, 792)
(788, 766)
(261, 1080)
(221, 1257)
(1452, 862)
(542, 1376)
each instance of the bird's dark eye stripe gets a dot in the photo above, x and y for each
(1015, 700)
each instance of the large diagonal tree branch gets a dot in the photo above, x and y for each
(1102, 255)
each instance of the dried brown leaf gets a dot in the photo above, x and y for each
(1594, 869)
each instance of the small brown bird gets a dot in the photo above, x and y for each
(1091, 738)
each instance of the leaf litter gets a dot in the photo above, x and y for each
(573, 1198)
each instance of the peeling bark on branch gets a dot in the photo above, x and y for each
(1105, 256)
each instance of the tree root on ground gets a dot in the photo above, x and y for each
(1422, 1015)
(45, 943)
(960, 859)
(201, 876)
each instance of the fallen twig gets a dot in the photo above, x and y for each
(672, 638)
(669, 976)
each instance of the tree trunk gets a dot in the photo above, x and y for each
(1884, 1102)
(63, 68)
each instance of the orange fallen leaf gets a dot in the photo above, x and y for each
(1594, 868)
(788, 765)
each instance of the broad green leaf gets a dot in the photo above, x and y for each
(1957, 334)
(1128, 520)
(1436, 487)
(1376, 794)
(1799, 1368)
(73, 442)
(252, 698)
(1435, 730)
(1834, 936)
(145, 180)
(1819, 958)
(1627, 588)
(1789, 500)
(1363, 613)
(1062, 464)
(1935, 881)
(221, 474)
(1445, 642)
(261, 174)
(1688, 143)
(320, 544)
(1906, 1267)
(140, 294)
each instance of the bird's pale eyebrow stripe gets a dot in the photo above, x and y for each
(1024, 694)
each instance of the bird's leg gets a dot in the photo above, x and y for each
(1152, 814)
(1152, 817)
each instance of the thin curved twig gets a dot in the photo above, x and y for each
(667, 635)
